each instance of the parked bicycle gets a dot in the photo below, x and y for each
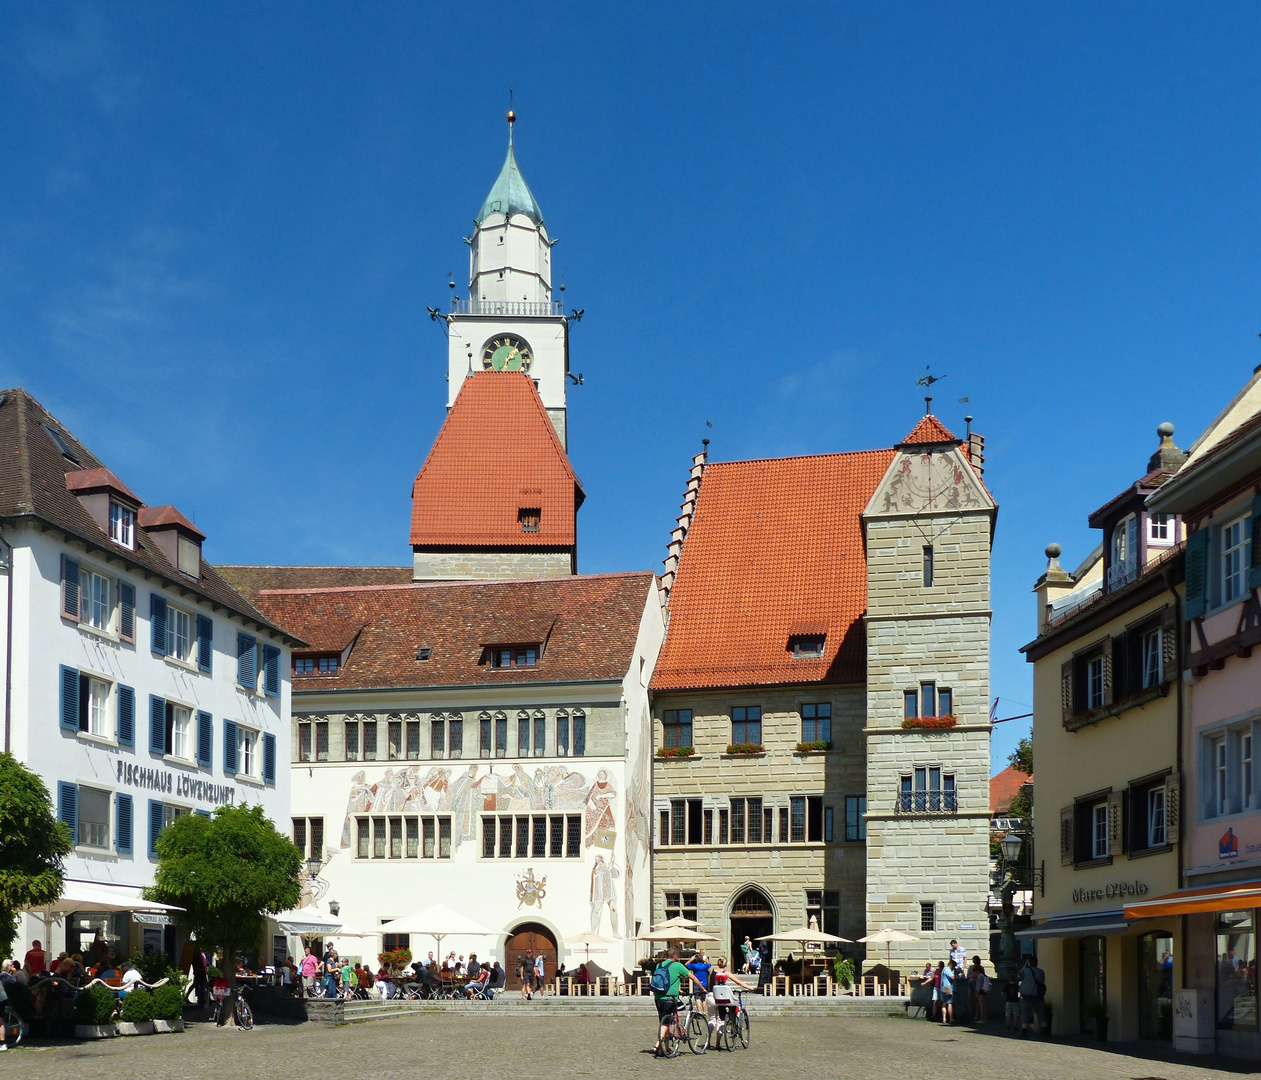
(239, 1008)
(12, 1025)
(735, 1026)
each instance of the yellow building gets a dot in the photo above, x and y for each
(1108, 713)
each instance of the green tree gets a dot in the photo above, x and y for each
(1022, 757)
(33, 844)
(227, 872)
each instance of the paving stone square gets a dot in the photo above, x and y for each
(536, 1045)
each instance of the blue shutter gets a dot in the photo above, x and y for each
(69, 698)
(155, 826)
(126, 610)
(157, 725)
(205, 739)
(157, 623)
(202, 813)
(246, 674)
(229, 746)
(122, 823)
(1254, 571)
(205, 641)
(271, 671)
(70, 588)
(68, 808)
(126, 716)
(1197, 573)
(269, 758)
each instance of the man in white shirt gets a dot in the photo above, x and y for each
(130, 977)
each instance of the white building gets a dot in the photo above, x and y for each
(139, 685)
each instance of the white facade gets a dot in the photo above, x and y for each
(107, 781)
(593, 875)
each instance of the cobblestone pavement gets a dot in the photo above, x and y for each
(524, 1047)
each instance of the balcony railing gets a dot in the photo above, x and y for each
(508, 308)
(1121, 574)
(927, 802)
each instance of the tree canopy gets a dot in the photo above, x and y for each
(227, 872)
(33, 845)
(1022, 757)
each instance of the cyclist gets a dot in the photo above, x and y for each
(668, 1001)
(720, 997)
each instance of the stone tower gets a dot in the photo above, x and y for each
(929, 529)
(510, 321)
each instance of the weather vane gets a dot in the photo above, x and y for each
(926, 381)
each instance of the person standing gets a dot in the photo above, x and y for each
(1032, 992)
(36, 959)
(1011, 1002)
(307, 969)
(668, 999)
(748, 948)
(525, 972)
(981, 1014)
(540, 974)
(947, 992)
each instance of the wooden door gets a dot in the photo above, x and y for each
(535, 939)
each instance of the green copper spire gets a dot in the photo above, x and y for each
(510, 195)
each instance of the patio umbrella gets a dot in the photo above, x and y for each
(93, 896)
(438, 922)
(587, 940)
(887, 936)
(678, 923)
(676, 933)
(309, 922)
(807, 935)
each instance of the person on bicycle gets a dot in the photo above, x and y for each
(668, 1002)
(719, 998)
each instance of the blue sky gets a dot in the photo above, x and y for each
(220, 226)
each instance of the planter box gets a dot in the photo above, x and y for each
(168, 1027)
(94, 1031)
(144, 1027)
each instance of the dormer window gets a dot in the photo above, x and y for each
(1123, 567)
(1160, 528)
(807, 646)
(329, 664)
(511, 656)
(529, 517)
(122, 524)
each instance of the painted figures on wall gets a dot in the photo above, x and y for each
(604, 892)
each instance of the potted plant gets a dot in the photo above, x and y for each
(675, 751)
(395, 960)
(843, 972)
(815, 746)
(1098, 1012)
(94, 1013)
(744, 749)
(168, 1009)
(135, 1017)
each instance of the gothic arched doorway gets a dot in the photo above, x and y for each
(751, 916)
(534, 938)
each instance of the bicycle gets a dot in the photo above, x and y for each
(12, 1025)
(696, 1026)
(240, 1011)
(674, 1036)
(735, 1025)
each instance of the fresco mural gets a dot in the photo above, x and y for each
(604, 892)
(638, 821)
(465, 792)
(930, 482)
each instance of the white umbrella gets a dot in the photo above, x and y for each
(587, 940)
(678, 923)
(677, 933)
(807, 935)
(309, 922)
(94, 896)
(886, 936)
(438, 922)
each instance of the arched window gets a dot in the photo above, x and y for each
(501, 734)
(484, 734)
(579, 719)
(562, 733)
(523, 734)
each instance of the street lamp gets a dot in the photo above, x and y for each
(313, 865)
(1010, 847)
(334, 908)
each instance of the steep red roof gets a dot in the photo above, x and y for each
(775, 550)
(155, 517)
(587, 624)
(928, 432)
(99, 480)
(1005, 786)
(497, 454)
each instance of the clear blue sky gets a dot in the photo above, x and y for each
(220, 226)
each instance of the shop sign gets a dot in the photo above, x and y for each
(181, 785)
(1112, 891)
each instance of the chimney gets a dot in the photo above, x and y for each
(1054, 583)
(1167, 458)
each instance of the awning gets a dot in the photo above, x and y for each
(308, 920)
(1244, 894)
(1094, 922)
(97, 896)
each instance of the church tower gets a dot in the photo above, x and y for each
(510, 321)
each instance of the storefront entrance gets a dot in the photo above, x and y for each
(1155, 985)
(751, 917)
(535, 939)
(1094, 980)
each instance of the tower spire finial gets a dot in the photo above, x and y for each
(512, 116)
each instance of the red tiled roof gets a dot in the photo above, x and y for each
(1005, 786)
(497, 453)
(588, 626)
(928, 432)
(157, 517)
(97, 480)
(775, 546)
(251, 580)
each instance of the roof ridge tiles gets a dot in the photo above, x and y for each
(484, 582)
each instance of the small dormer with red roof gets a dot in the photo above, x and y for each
(175, 536)
(497, 496)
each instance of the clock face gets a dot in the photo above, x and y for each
(506, 353)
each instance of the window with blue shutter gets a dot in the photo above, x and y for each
(1254, 570)
(68, 808)
(156, 818)
(69, 691)
(69, 588)
(205, 739)
(202, 813)
(269, 758)
(157, 623)
(126, 716)
(205, 641)
(229, 746)
(126, 610)
(122, 823)
(157, 725)
(1197, 573)
(246, 673)
(271, 671)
